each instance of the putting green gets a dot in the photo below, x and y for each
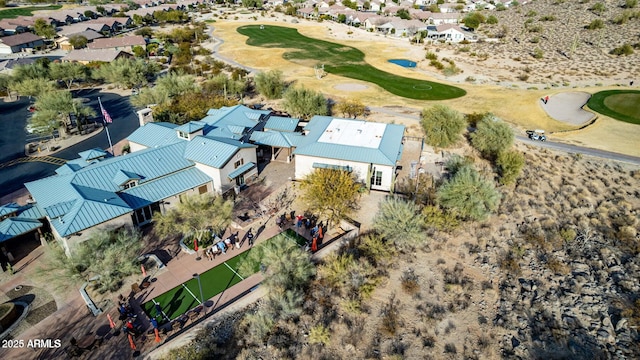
(623, 105)
(186, 296)
(343, 61)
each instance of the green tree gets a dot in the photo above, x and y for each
(332, 193)
(149, 96)
(78, 41)
(37, 70)
(510, 163)
(492, 136)
(126, 72)
(442, 125)
(68, 72)
(469, 195)
(403, 14)
(139, 51)
(400, 222)
(252, 4)
(270, 84)
(108, 256)
(351, 108)
(44, 29)
(222, 84)
(194, 215)
(33, 87)
(146, 31)
(304, 103)
(54, 108)
(5, 82)
(473, 20)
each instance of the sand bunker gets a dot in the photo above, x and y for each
(567, 107)
(351, 87)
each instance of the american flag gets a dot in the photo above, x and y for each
(105, 114)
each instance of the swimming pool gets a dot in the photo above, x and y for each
(403, 62)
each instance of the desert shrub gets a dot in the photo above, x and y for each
(349, 275)
(469, 194)
(531, 13)
(492, 20)
(375, 249)
(398, 221)
(510, 163)
(547, 18)
(568, 234)
(304, 103)
(492, 136)
(410, 282)
(390, 314)
(319, 335)
(436, 64)
(538, 53)
(535, 28)
(270, 84)
(557, 266)
(451, 70)
(629, 4)
(429, 341)
(509, 262)
(598, 8)
(474, 118)
(595, 24)
(442, 125)
(431, 56)
(439, 219)
(456, 162)
(450, 348)
(523, 77)
(625, 50)
(535, 40)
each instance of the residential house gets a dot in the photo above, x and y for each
(370, 150)
(444, 18)
(86, 56)
(69, 30)
(400, 27)
(115, 24)
(11, 26)
(64, 44)
(20, 42)
(452, 33)
(124, 43)
(450, 7)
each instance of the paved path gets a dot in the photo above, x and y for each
(217, 43)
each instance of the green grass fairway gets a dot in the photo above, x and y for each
(12, 13)
(623, 105)
(178, 300)
(344, 61)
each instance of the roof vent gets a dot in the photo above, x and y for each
(359, 131)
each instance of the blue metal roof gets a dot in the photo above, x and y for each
(10, 208)
(88, 213)
(12, 227)
(164, 187)
(31, 211)
(92, 154)
(211, 152)
(238, 115)
(122, 177)
(155, 134)
(241, 170)
(191, 127)
(388, 152)
(281, 123)
(277, 138)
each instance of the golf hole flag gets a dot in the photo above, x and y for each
(195, 244)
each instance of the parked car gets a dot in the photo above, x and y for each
(537, 135)
(36, 129)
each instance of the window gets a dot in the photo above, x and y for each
(377, 178)
(202, 189)
(129, 185)
(238, 163)
(183, 135)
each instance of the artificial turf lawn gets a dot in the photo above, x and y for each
(13, 13)
(344, 61)
(623, 105)
(178, 300)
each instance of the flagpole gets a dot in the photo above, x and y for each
(105, 126)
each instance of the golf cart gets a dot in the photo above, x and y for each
(537, 135)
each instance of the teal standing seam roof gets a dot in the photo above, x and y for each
(191, 127)
(209, 151)
(281, 123)
(31, 211)
(92, 154)
(277, 138)
(155, 134)
(241, 170)
(239, 115)
(164, 187)
(12, 227)
(88, 213)
(122, 177)
(9, 208)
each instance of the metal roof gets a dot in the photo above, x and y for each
(155, 134)
(281, 123)
(388, 151)
(122, 177)
(10, 208)
(238, 115)
(93, 154)
(164, 187)
(211, 152)
(191, 127)
(241, 170)
(12, 227)
(277, 138)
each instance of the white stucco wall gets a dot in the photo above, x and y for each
(220, 177)
(304, 166)
(136, 147)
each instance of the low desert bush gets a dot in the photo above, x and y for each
(410, 282)
(319, 335)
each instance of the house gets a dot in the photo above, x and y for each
(86, 56)
(115, 24)
(20, 42)
(452, 33)
(124, 43)
(111, 192)
(371, 150)
(400, 27)
(11, 27)
(64, 44)
(444, 18)
(69, 30)
(450, 7)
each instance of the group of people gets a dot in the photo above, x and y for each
(229, 243)
(128, 317)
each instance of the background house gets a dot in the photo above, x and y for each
(20, 42)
